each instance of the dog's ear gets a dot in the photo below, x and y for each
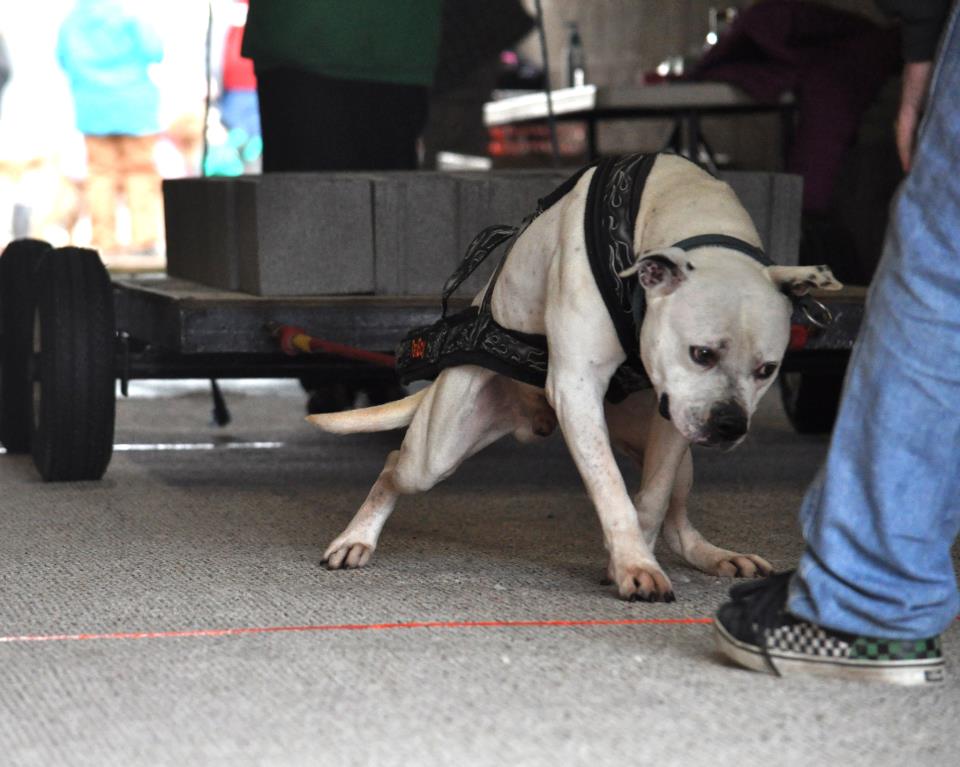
(661, 271)
(800, 280)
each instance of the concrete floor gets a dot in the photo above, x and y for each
(230, 538)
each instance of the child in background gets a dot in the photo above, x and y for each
(106, 52)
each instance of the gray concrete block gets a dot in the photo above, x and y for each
(514, 194)
(201, 230)
(395, 233)
(499, 197)
(307, 234)
(774, 202)
(424, 222)
(416, 231)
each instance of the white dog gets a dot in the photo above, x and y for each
(712, 338)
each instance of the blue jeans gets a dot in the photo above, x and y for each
(881, 516)
(240, 109)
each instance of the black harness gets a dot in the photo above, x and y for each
(474, 337)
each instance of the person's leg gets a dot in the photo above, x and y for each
(101, 190)
(386, 119)
(880, 518)
(876, 585)
(303, 123)
(142, 184)
(315, 123)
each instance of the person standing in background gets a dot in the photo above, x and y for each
(342, 86)
(4, 64)
(239, 109)
(106, 51)
(472, 37)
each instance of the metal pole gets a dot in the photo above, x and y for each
(551, 119)
(206, 101)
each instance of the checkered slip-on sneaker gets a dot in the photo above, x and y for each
(754, 630)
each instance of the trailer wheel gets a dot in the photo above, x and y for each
(74, 395)
(811, 399)
(18, 268)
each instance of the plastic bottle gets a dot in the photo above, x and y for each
(576, 60)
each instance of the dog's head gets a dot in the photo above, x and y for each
(714, 334)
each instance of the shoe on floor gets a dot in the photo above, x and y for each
(754, 630)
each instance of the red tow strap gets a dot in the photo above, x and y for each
(294, 340)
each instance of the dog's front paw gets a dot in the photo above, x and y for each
(734, 565)
(641, 582)
(346, 553)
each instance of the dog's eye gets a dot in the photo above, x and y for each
(766, 370)
(703, 355)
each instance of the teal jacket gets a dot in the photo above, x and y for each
(105, 52)
(393, 41)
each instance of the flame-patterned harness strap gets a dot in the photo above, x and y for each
(474, 337)
(482, 246)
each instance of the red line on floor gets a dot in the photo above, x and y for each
(356, 627)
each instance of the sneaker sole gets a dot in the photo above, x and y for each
(910, 673)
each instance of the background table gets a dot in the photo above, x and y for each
(686, 103)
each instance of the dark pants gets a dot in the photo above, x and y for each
(311, 122)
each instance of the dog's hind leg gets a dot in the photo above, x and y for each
(463, 412)
(685, 541)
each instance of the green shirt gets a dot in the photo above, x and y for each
(391, 41)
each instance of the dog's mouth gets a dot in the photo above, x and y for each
(663, 406)
(721, 425)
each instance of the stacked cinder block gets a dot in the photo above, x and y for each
(415, 231)
(203, 231)
(283, 234)
(307, 234)
(502, 197)
(391, 233)
(425, 221)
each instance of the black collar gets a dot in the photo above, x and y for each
(725, 241)
(639, 305)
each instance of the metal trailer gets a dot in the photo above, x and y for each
(70, 332)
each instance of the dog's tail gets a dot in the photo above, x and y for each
(392, 415)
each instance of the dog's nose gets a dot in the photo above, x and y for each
(728, 422)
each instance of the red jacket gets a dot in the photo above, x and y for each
(237, 71)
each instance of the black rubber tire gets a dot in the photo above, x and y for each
(811, 399)
(74, 393)
(18, 268)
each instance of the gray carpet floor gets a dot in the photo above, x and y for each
(227, 536)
